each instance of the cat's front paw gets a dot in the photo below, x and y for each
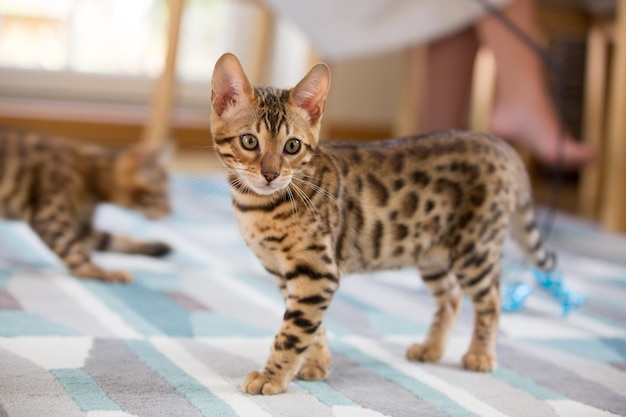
(117, 276)
(91, 271)
(257, 383)
(479, 362)
(425, 352)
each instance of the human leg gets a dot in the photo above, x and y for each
(524, 112)
(449, 72)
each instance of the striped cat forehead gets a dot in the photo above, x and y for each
(272, 109)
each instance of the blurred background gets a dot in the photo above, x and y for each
(71, 65)
(90, 69)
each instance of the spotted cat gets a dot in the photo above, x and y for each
(54, 184)
(314, 211)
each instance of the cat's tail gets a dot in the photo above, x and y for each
(526, 232)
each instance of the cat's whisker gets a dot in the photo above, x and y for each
(312, 186)
(298, 193)
(327, 196)
(294, 207)
(238, 184)
(305, 200)
(241, 187)
(304, 178)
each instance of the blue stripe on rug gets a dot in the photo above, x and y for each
(325, 393)
(598, 349)
(14, 323)
(158, 281)
(205, 324)
(525, 384)
(5, 277)
(28, 253)
(156, 308)
(197, 395)
(616, 282)
(86, 392)
(618, 345)
(103, 291)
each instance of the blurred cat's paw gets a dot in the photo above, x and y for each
(91, 271)
(312, 372)
(479, 362)
(258, 383)
(424, 352)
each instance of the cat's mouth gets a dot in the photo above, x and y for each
(262, 186)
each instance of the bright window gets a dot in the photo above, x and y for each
(117, 37)
(110, 51)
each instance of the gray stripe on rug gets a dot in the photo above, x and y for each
(562, 381)
(132, 384)
(27, 390)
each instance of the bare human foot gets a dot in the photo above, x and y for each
(539, 131)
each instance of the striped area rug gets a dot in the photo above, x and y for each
(181, 338)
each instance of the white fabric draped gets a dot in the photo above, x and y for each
(340, 29)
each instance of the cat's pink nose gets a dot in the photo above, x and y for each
(270, 175)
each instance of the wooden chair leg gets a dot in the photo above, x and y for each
(614, 213)
(157, 130)
(589, 192)
(263, 45)
(483, 91)
(411, 101)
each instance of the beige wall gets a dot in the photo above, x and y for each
(365, 92)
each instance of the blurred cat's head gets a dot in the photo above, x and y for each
(141, 181)
(265, 135)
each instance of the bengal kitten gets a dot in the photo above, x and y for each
(54, 185)
(314, 211)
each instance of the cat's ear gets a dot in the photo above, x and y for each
(230, 84)
(142, 162)
(152, 155)
(310, 93)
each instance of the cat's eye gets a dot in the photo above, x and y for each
(292, 146)
(249, 142)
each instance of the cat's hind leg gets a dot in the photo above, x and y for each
(318, 360)
(72, 246)
(478, 273)
(480, 283)
(444, 286)
(77, 257)
(109, 242)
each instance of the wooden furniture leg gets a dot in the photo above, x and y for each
(614, 214)
(157, 130)
(590, 191)
(483, 92)
(410, 109)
